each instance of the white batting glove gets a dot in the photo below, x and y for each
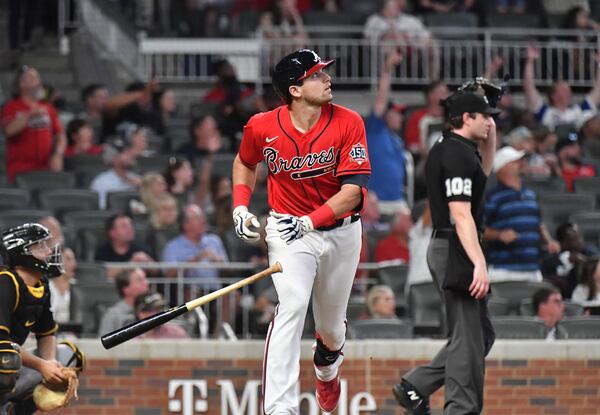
(292, 227)
(243, 220)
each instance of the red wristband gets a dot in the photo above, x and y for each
(324, 215)
(241, 195)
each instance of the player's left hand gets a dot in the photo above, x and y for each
(292, 227)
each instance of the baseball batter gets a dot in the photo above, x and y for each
(316, 153)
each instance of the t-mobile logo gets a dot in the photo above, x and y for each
(413, 396)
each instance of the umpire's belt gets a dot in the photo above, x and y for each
(341, 222)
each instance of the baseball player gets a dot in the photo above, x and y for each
(456, 172)
(25, 308)
(316, 154)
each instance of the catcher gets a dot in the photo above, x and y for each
(29, 260)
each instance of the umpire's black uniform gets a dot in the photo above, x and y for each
(454, 173)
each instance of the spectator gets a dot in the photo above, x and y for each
(503, 6)
(55, 229)
(381, 302)
(205, 139)
(418, 241)
(445, 6)
(164, 214)
(391, 23)
(570, 161)
(65, 303)
(119, 178)
(288, 20)
(34, 135)
(120, 245)
(80, 138)
(588, 127)
(195, 244)
(421, 121)
(565, 268)
(371, 215)
(26, 11)
(544, 142)
(534, 165)
(588, 290)
(180, 179)
(514, 230)
(511, 116)
(386, 147)
(135, 137)
(152, 188)
(148, 304)
(549, 307)
(163, 107)
(130, 284)
(395, 245)
(561, 110)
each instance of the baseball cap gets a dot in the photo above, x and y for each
(517, 135)
(396, 107)
(584, 118)
(149, 302)
(297, 66)
(506, 155)
(569, 140)
(461, 102)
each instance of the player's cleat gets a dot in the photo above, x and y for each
(328, 394)
(411, 400)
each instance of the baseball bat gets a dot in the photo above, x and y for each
(136, 328)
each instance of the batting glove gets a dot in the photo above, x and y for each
(292, 227)
(243, 220)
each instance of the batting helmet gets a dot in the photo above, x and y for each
(295, 67)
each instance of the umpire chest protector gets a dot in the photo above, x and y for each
(31, 308)
(454, 172)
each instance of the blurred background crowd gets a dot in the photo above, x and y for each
(127, 175)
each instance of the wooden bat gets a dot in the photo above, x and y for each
(136, 328)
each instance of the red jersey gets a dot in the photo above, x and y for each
(581, 171)
(305, 170)
(32, 147)
(391, 248)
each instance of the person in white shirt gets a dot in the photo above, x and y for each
(419, 237)
(588, 291)
(60, 289)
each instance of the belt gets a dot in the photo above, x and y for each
(341, 222)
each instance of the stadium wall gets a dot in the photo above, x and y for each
(155, 377)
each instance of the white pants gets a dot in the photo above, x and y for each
(322, 263)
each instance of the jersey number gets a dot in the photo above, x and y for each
(458, 186)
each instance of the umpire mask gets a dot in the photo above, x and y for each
(30, 246)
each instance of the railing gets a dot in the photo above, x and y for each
(455, 54)
(228, 311)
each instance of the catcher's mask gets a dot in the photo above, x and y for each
(30, 246)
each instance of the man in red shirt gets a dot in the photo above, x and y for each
(395, 245)
(316, 154)
(35, 138)
(568, 152)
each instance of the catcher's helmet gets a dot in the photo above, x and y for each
(295, 67)
(27, 246)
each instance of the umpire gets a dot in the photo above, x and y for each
(456, 172)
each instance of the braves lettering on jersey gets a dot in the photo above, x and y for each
(305, 169)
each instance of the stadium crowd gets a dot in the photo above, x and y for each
(156, 179)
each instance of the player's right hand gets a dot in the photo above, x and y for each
(243, 222)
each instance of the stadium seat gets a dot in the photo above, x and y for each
(356, 309)
(453, 20)
(519, 328)
(43, 180)
(90, 273)
(556, 208)
(516, 291)
(85, 168)
(571, 309)
(9, 218)
(512, 20)
(222, 165)
(320, 18)
(545, 186)
(60, 201)
(381, 329)
(152, 164)
(119, 201)
(498, 307)
(88, 219)
(361, 9)
(14, 198)
(588, 185)
(581, 328)
(395, 277)
(588, 224)
(96, 299)
(424, 308)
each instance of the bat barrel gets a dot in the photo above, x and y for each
(136, 328)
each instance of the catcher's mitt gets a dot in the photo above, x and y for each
(48, 397)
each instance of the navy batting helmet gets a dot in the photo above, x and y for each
(295, 67)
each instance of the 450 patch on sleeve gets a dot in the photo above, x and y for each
(458, 186)
(358, 153)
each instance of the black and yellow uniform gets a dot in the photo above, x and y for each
(24, 309)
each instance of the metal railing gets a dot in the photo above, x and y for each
(455, 54)
(233, 310)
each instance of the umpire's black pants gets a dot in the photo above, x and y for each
(460, 364)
